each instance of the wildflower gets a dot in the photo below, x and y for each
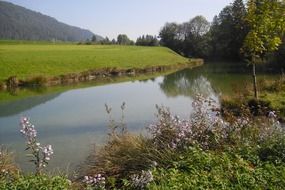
(142, 180)
(154, 163)
(41, 154)
(28, 130)
(97, 181)
(272, 114)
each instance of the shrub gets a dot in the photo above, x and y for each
(245, 107)
(259, 107)
(273, 151)
(29, 182)
(198, 169)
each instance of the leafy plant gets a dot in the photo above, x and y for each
(29, 182)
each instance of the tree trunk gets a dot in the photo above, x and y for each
(254, 81)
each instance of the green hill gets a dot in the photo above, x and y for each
(19, 23)
(48, 60)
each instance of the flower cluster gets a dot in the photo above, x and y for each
(272, 114)
(41, 154)
(28, 130)
(97, 181)
(205, 121)
(274, 119)
(47, 152)
(207, 128)
(142, 180)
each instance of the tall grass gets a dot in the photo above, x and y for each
(7, 164)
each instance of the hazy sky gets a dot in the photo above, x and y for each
(131, 17)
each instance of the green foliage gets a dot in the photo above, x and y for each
(189, 39)
(228, 31)
(12, 178)
(147, 40)
(205, 152)
(169, 36)
(273, 151)
(123, 39)
(266, 28)
(198, 169)
(34, 182)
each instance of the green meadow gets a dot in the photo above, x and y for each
(26, 60)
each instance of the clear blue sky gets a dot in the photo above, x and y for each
(131, 17)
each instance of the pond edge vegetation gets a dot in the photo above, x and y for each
(210, 150)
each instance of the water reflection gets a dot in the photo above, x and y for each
(15, 107)
(73, 120)
(183, 86)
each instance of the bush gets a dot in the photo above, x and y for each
(273, 151)
(259, 107)
(12, 178)
(34, 182)
(245, 108)
(198, 169)
(234, 107)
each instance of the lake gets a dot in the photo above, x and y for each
(74, 120)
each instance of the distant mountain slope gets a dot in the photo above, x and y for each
(19, 23)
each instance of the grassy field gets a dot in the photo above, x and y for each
(26, 60)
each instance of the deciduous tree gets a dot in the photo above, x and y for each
(266, 21)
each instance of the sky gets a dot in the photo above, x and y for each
(131, 17)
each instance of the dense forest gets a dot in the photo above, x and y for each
(20, 23)
(220, 39)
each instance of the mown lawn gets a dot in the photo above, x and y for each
(26, 60)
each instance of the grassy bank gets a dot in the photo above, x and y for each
(271, 97)
(49, 60)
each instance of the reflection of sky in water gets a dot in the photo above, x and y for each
(76, 119)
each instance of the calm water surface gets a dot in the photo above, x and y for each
(74, 120)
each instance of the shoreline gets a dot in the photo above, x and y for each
(91, 75)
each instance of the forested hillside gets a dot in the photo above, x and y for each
(20, 23)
